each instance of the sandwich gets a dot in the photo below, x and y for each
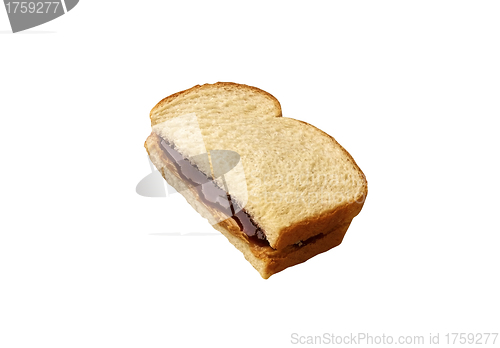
(279, 189)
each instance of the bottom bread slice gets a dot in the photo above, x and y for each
(266, 260)
(269, 262)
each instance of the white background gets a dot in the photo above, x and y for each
(410, 89)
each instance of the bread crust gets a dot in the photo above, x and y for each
(266, 260)
(226, 85)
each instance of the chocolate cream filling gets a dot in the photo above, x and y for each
(213, 196)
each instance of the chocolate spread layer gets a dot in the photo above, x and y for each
(213, 196)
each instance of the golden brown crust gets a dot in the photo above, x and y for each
(298, 254)
(271, 261)
(172, 97)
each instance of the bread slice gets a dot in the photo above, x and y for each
(298, 185)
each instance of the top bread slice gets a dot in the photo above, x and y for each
(298, 181)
